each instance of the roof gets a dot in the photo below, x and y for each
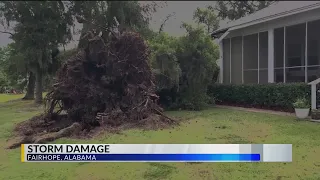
(277, 9)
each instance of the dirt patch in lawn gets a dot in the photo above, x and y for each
(36, 130)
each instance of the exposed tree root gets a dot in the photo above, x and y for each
(75, 128)
(107, 84)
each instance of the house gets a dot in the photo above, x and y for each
(280, 43)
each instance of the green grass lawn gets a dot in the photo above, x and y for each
(8, 97)
(209, 126)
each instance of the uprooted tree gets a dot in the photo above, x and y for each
(108, 83)
(113, 78)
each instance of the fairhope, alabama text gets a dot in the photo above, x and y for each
(67, 148)
(60, 157)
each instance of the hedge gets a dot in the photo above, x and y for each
(270, 96)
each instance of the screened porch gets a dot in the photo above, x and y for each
(296, 55)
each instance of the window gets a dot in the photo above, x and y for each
(255, 58)
(278, 55)
(313, 51)
(263, 57)
(296, 55)
(295, 43)
(250, 59)
(236, 60)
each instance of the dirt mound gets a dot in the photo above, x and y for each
(109, 83)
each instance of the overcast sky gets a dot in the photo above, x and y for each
(183, 12)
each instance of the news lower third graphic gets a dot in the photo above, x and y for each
(156, 153)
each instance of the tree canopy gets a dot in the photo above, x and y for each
(164, 61)
(197, 55)
(207, 17)
(129, 14)
(38, 29)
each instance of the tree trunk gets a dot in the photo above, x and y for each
(39, 86)
(84, 30)
(30, 87)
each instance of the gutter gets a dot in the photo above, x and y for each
(223, 36)
(215, 33)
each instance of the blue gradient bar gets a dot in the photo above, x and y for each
(149, 157)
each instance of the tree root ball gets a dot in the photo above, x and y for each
(108, 83)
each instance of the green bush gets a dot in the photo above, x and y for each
(301, 103)
(275, 95)
(197, 55)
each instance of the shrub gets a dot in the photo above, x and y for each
(301, 103)
(197, 55)
(164, 61)
(276, 95)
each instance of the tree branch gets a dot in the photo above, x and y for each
(82, 20)
(5, 32)
(164, 22)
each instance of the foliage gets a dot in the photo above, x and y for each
(3, 78)
(12, 69)
(65, 55)
(301, 103)
(165, 67)
(164, 61)
(280, 96)
(207, 17)
(3, 82)
(129, 14)
(39, 28)
(59, 58)
(197, 55)
(38, 25)
(236, 9)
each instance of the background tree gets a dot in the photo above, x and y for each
(197, 55)
(165, 66)
(12, 69)
(236, 9)
(129, 14)
(39, 28)
(207, 17)
(4, 82)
